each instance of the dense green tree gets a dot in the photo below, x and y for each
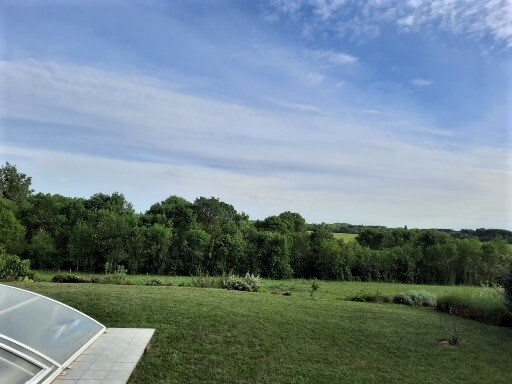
(115, 203)
(42, 250)
(469, 261)
(273, 253)
(195, 247)
(325, 255)
(12, 233)
(14, 185)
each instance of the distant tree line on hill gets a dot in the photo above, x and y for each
(483, 234)
(176, 236)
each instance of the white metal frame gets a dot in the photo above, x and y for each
(60, 367)
(37, 377)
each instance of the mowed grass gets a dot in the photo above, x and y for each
(219, 336)
(332, 290)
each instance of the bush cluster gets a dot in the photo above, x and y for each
(154, 282)
(204, 280)
(370, 297)
(13, 268)
(68, 278)
(248, 283)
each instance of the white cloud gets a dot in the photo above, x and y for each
(421, 82)
(328, 168)
(294, 106)
(314, 78)
(332, 57)
(473, 19)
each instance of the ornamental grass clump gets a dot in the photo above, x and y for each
(416, 298)
(487, 305)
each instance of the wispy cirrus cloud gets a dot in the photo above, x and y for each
(421, 82)
(475, 20)
(267, 162)
(332, 57)
(293, 106)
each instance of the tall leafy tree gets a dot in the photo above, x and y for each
(12, 233)
(14, 185)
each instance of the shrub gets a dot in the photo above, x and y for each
(314, 287)
(454, 328)
(67, 278)
(368, 297)
(13, 268)
(487, 306)
(248, 283)
(118, 277)
(416, 298)
(507, 286)
(154, 282)
(95, 280)
(204, 280)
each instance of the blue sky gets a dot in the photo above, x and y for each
(383, 112)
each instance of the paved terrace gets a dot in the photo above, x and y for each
(110, 359)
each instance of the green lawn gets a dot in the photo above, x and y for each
(218, 336)
(332, 290)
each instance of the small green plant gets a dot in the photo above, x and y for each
(13, 268)
(453, 327)
(314, 287)
(204, 280)
(154, 282)
(68, 278)
(248, 283)
(118, 277)
(416, 298)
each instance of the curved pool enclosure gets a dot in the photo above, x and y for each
(39, 336)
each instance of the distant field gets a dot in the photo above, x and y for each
(345, 236)
(219, 336)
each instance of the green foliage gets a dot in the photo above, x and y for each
(119, 275)
(14, 186)
(416, 298)
(68, 278)
(314, 287)
(154, 282)
(12, 233)
(13, 268)
(248, 283)
(507, 286)
(204, 280)
(486, 305)
(177, 237)
(370, 297)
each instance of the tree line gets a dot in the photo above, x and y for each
(176, 236)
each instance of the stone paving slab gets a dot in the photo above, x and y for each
(110, 359)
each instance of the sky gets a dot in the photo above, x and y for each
(383, 112)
